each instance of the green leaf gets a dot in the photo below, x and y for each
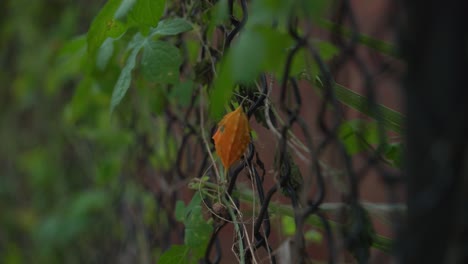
(173, 26)
(316, 9)
(314, 236)
(125, 78)
(267, 12)
(220, 12)
(326, 49)
(289, 226)
(357, 135)
(383, 243)
(197, 232)
(104, 26)
(197, 229)
(180, 211)
(394, 153)
(193, 48)
(194, 203)
(177, 254)
(124, 8)
(221, 91)
(161, 62)
(303, 62)
(137, 42)
(247, 56)
(373, 43)
(105, 53)
(257, 50)
(146, 13)
(72, 46)
(158, 101)
(391, 119)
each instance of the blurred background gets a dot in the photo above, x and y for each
(60, 157)
(80, 186)
(74, 185)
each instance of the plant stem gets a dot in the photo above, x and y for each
(380, 242)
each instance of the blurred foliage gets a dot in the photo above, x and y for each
(66, 190)
(86, 87)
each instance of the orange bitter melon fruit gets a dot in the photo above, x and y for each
(232, 137)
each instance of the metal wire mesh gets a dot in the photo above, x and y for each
(306, 195)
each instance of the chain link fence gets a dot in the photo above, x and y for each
(333, 172)
(299, 172)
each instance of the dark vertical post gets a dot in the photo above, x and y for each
(435, 48)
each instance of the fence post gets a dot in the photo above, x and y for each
(435, 47)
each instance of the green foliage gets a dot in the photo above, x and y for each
(125, 78)
(391, 119)
(82, 185)
(146, 14)
(261, 48)
(313, 236)
(394, 153)
(165, 150)
(257, 50)
(360, 232)
(170, 27)
(104, 26)
(295, 180)
(63, 156)
(289, 227)
(197, 233)
(376, 44)
(358, 135)
(181, 94)
(161, 62)
(178, 254)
